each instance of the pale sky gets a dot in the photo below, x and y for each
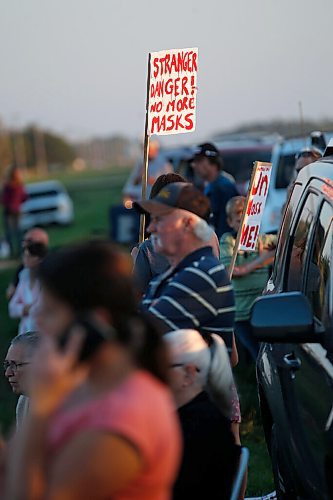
(79, 67)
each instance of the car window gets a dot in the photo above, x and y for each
(43, 194)
(317, 286)
(285, 171)
(300, 242)
(285, 230)
(240, 163)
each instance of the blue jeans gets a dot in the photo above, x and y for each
(243, 332)
(13, 233)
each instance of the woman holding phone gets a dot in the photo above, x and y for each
(101, 423)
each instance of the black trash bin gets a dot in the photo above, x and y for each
(124, 224)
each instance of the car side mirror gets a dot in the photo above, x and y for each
(284, 317)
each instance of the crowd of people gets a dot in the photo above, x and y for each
(123, 365)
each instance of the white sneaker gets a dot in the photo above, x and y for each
(269, 496)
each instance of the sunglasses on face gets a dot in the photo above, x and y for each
(35, 249)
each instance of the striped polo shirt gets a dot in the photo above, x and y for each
(194, 294)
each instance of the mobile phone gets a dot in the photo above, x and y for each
(96, 332)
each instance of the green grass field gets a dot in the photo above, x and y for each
(93, 193)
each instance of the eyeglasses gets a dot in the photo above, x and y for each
(13, 365)
(176, 365)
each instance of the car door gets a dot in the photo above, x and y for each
(306, 370)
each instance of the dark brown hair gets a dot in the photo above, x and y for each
(97, 275)
(163, 180)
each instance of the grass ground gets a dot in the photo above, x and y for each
(93, 194)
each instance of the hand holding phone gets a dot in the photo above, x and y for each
(95, 330)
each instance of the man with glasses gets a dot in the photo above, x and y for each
(15, 366)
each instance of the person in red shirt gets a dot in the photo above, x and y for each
(13, 195)
(101, 422)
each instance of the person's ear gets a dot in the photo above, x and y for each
(188, 223)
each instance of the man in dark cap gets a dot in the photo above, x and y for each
(208, 165)
(195, 292)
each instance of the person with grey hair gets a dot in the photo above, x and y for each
(147, 262)
(202, 384)
(195, 292)
(18, 356)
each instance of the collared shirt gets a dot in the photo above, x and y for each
(194, 294)
(250, 286)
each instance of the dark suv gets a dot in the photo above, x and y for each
(294, 321)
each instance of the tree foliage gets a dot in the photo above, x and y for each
(32, 146)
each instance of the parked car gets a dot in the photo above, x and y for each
(239, 152)
(283, 172)
(48, 202)
(294, 320)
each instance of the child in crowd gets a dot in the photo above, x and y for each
(250, 273)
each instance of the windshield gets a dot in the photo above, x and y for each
(43, 194)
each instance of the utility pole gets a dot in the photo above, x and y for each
(19, 151)
(40, 151)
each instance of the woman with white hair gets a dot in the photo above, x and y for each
(202, 384)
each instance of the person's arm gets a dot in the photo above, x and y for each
(142, 273)
(16, 305)
(219, 199)
(264, 259)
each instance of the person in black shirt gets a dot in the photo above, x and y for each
(210, 457)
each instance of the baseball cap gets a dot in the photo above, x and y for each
(176, 195)
(206, 149)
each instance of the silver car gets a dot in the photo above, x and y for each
(48, 202)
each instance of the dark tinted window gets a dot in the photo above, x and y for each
(285, 171)
(300, 244)
(285, 229)
(317, 287)
(240, 163)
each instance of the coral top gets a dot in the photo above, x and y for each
(141, 410)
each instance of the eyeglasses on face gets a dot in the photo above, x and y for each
(176, 365)
(13, 365)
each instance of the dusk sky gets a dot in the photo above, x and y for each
(79, 67)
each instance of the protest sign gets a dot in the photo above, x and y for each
(255, 206)
(172, 91)
(170, 101)
(253, 210)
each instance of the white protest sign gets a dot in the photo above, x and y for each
(255, 206)
(172, 91)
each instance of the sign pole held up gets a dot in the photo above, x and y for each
(170, 101)
(250, 212)
(145, 159)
